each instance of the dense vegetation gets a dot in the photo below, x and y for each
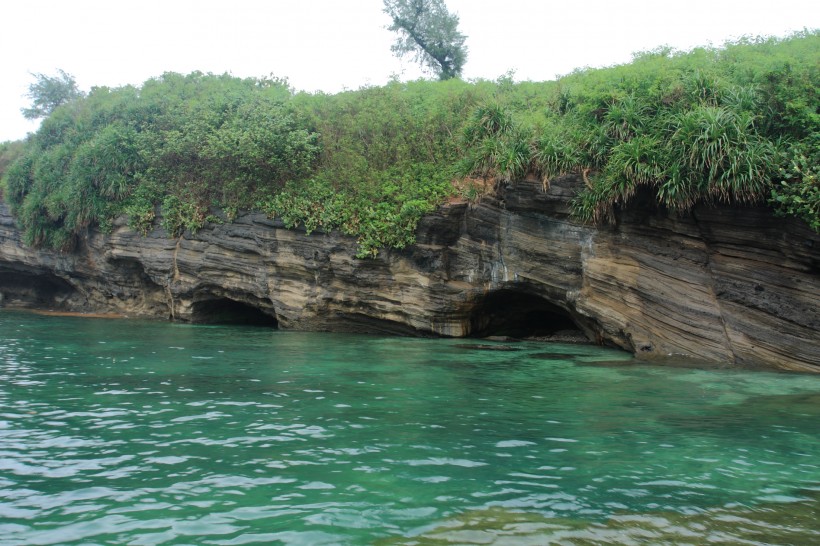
(738, 124)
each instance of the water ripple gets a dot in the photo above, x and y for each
(141, 435)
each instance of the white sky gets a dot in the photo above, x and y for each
(330, 45)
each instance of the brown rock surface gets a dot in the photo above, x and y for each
(727, 285)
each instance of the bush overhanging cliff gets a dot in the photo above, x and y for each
(737, 124)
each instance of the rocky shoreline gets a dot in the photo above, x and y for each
(734, 286)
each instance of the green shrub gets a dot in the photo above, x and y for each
(798, 191)
(737, 124)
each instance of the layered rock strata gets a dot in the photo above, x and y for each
(728, 285)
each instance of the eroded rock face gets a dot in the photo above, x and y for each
(734, 286)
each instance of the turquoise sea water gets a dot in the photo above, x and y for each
(131, 432)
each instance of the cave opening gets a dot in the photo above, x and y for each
(518, 314)
(40, 291)
(228, 311)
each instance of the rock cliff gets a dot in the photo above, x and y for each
(727, 285)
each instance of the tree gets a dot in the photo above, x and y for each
(49, 92)
(430, 32)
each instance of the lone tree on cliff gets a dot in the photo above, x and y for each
(430, 32)
(49, 92)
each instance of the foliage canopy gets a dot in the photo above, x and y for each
(738, 124)
(49, 92)
(429, 32)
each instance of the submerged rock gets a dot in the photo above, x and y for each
(482, 347)
(555, 356)
(770, 523)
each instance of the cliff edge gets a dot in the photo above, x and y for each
(734, 286)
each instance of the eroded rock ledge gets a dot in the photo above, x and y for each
(727, 285)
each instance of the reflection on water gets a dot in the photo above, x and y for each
(132, 432)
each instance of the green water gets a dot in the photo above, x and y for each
(130, 432)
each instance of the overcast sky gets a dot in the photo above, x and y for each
(330, 45)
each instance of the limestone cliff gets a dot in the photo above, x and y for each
(727, 285)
